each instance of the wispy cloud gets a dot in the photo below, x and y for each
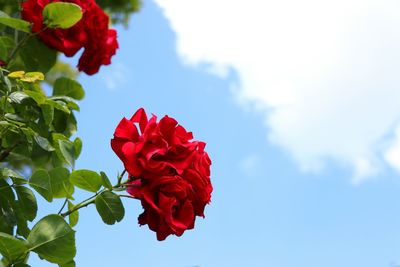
(115, 76)
(324, 73)
(250, 165)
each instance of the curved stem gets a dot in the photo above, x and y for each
(83, 204)
(19, 45)
(77, 207)
(65, 203)
(91, 200)
(22, 43)
(120, 178)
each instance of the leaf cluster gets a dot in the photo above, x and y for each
(39, 98)
(120, 10)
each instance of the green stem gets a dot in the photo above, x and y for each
(120, 178)
(19, 45)
(91, 200)
(22, 43)
(83, 204)
(65, 203)
(5, 103)
(65, 214)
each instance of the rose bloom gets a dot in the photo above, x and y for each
(91, 33)
(169, 172)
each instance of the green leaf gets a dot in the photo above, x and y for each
(38, 97)
(5, 172)
(43, 143)
(29, 133)
(18, 24)
(22, 221)
(67, 150)
(21, 216)
(36, 56)
(6, 45)
(40, 181)
(105, 180)
(78, 147)
(53, 239)
(74, 216)
(68, 87)
(60, 184)
(61, 15)
(15, 118)
(7, 213)
(48, 113)
(3, 14)
(86, 180)
(18, 97)
(110, 207)
(12, 248)
(69, 101)
(8, 84)
(4, 262)
(27, 202)
(60, 105)
(68, 264)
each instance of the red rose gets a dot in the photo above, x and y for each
(169, 172)
(91, 33)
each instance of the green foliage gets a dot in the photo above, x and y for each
(9, 7)
(86, 180)
(120, 10)
(27, 201)
(68, 87)
(39, 98)
(61, 15)
(18, 24)
(106, 181)
(11, 248)
(110, 208)
(74, 216)
(6, 45)
(53, 239)
(34, 56)
(40, 181)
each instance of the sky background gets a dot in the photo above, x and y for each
(298, 102)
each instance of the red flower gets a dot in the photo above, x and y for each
(91, 33)
(169, 172)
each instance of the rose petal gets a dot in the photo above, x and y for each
(126, 130)
(141, 118)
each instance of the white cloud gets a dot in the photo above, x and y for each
(115, 76)
(326, 74)
(250, 165)
(392, 155)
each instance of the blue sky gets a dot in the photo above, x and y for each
(284, 196)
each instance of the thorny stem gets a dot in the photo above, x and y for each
(83, 204)
(91, 200)
(65, 214)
